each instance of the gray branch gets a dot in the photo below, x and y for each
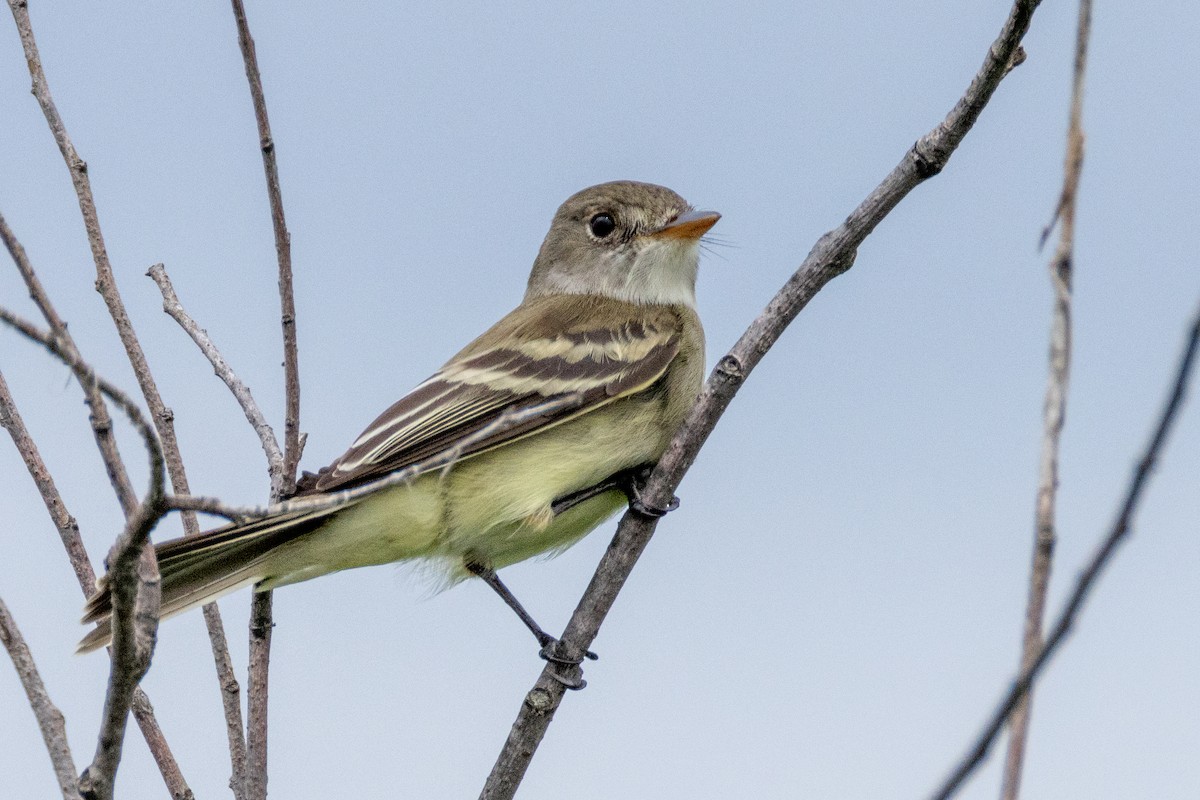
(1054, 410)
(102, 428)
(1119, 531)
(49, 718)
(832, 255)
(260, 605)
(68, 529)
(132, 575)
(445, 460)
(163, 416)
(241, 392)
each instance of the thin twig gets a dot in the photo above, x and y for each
(506, 421)
(241, 392)
(283, 247)
(107, 287)
(832, 255)
(49, 719)
(260, 611)
(50, 341)
(1054, 409)
(1083, 585)
(132, 576)
(69, 531)
(102, 428)
(156, 741)
(67, 527)
(230, 689)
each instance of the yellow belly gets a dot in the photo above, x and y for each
(498, 503)
(493, 508)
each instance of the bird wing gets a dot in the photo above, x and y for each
(568, 355)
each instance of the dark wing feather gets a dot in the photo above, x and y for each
(602, 350)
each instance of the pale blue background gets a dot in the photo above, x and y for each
(838, 602)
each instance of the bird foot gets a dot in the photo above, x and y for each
(552, 651)
(634, 485)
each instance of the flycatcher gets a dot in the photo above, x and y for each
(609, 319)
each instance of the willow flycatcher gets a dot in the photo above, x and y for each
(608, 321)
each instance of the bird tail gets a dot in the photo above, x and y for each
(198, 569)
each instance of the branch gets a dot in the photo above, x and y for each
(283, 249)
(832, 255)
(1054, 409)
(68, 529)
(107, 287)
(241, 392)
(49, 718)
(1083, 585)
(260, 605)
(445, 460)
(101, 422)
(133, 578)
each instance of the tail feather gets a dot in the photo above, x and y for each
(199, 569)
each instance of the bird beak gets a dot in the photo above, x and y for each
(689, 225)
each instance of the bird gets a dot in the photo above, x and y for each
(599, 364)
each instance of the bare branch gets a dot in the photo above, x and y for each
(85, 374)
(107, 287)
(229, 686)
(68, 528)
(260, 612)
(283, 248)
(240, 390)
(1083, 585)
(69, 531)
(101, 422)
(1054, 410)
(508, 420)
(49, 718)
(132, 577)
(832, 255)
(156, 741)
(83, 190)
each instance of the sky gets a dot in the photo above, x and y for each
(838, 602)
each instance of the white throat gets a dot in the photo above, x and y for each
(650, 272)
(663, 272)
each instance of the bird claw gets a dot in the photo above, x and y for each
(653, 512)
(633, 487)
(551, 652)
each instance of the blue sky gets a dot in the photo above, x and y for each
(838, 602)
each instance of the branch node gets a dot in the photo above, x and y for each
(540, 701)
(731, 368)
(927, 158)
(1018, 58)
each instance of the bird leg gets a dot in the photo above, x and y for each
(629, 482)
(569, 501)
(550, 645)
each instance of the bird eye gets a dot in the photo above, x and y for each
(602, 225)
